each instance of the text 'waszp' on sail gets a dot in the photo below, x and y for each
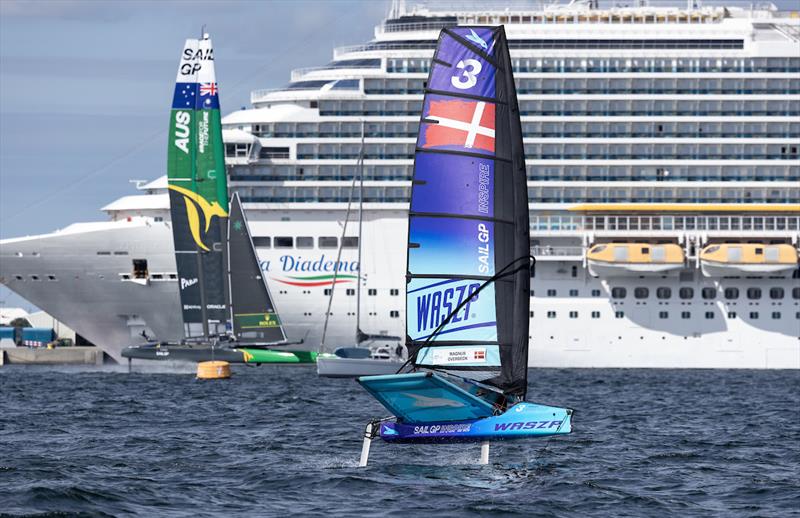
(467, 295)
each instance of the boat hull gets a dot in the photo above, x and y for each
(715, 269)
(202, 353)
(605, 269)
(335, 367)
(523, 420)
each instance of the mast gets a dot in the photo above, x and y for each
(359, 334)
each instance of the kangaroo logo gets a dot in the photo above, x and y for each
(193, 201)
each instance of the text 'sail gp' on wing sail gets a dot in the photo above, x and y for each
(198, 189)
(253, 313)
(468, 219)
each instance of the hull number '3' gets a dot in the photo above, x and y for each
(470, 68)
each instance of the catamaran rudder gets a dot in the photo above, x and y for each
(468, 280)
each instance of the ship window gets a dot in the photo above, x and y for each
(18, 277)
(372, 292)
(573, 314)
(351, 291)
(619, 314)
(663, 293)
(121, 253)
(796, 293)
(595, 293)
(731, 315)
(551, 314)
(103, 253)
(34, 277)
(283, 242)
(731, 293)
(350, 242)
(618, 293)
(709, 315)
(797, 315)
(754, 315)
(776, 315)
(328, 242)
(753, 293)
(262, 242)
(394, 314)
(327, 292)
(573, 293)
(140, 268)
(551, 293)
(709, 293)
(51, 277)
(595, 314)
(759, 251)
(305, 242)
(686, 293)
(394, 292)
(531, 314)
(531, 292)
(641, 292)
(574, 271)
(663, 314)
(645, 250)
(776, 293)
(686, 315)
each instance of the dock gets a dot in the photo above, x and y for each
(78, 355)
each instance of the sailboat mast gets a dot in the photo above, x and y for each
(360, 224)
(338, 262)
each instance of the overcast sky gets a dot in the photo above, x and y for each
(86, 87)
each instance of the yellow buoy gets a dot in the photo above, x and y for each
(215, 370)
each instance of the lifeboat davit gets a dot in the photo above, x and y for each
(723, 259)
(623, 259)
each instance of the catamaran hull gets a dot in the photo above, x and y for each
(354, 367)
(201, 354)
(523, 420)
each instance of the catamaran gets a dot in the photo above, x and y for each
(468, 269)
(219, 272)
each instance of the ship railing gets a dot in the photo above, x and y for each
(415, 26)
(557, 251)
(348, 49)
(298, 73)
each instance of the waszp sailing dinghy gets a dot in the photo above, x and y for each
(219, 276)
(468, 280)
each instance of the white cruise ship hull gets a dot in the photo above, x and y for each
(575, 320)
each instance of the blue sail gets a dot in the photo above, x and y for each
(468, 235)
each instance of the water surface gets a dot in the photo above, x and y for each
(278, 440)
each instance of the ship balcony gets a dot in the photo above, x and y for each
(557, 253)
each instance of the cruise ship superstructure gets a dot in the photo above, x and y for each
(663, 177)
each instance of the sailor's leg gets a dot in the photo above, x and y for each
(485, 452)
(365, 446)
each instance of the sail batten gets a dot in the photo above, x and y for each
(468, 243)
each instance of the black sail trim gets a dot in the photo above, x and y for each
(492, 100)
(471, 46)
(461, 153)
(450, 215)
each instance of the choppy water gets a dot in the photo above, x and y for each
(278, 440)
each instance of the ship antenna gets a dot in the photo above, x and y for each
(203, 35)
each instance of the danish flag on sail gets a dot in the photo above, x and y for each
(460, 123)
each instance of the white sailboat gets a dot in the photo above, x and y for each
(379, 357)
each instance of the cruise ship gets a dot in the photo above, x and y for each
(663, 176)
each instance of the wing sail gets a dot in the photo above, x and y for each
(198, 189)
